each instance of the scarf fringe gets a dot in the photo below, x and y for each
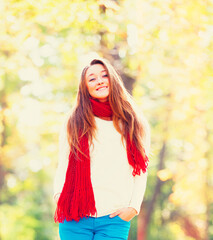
(136, 159)
(77, 198)
(73, 210)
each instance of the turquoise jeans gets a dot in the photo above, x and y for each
(91, 228)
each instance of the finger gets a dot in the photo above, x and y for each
(114, 214)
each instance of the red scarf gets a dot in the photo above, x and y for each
(77, 198)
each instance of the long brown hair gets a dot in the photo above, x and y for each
(125, 118)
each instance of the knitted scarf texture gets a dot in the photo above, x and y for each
(77, 198)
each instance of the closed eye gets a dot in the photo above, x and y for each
(92, 79)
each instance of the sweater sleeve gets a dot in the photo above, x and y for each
(140, 181)
(63, 156)
(138, 191)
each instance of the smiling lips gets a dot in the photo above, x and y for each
(100, 88)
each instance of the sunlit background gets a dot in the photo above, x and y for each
(164, 53)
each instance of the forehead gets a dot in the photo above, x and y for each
(95, 69)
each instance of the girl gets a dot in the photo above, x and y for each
(101, 176)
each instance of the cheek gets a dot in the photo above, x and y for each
(91, 87)
(108, 82)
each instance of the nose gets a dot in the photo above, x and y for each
(100, 80)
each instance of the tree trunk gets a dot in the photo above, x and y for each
(144, 219)
(207, 187)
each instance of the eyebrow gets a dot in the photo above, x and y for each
(94, 74)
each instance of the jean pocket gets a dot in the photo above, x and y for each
(122, 219)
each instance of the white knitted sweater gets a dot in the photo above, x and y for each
(113, 184)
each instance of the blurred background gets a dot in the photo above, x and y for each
(164, 53)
